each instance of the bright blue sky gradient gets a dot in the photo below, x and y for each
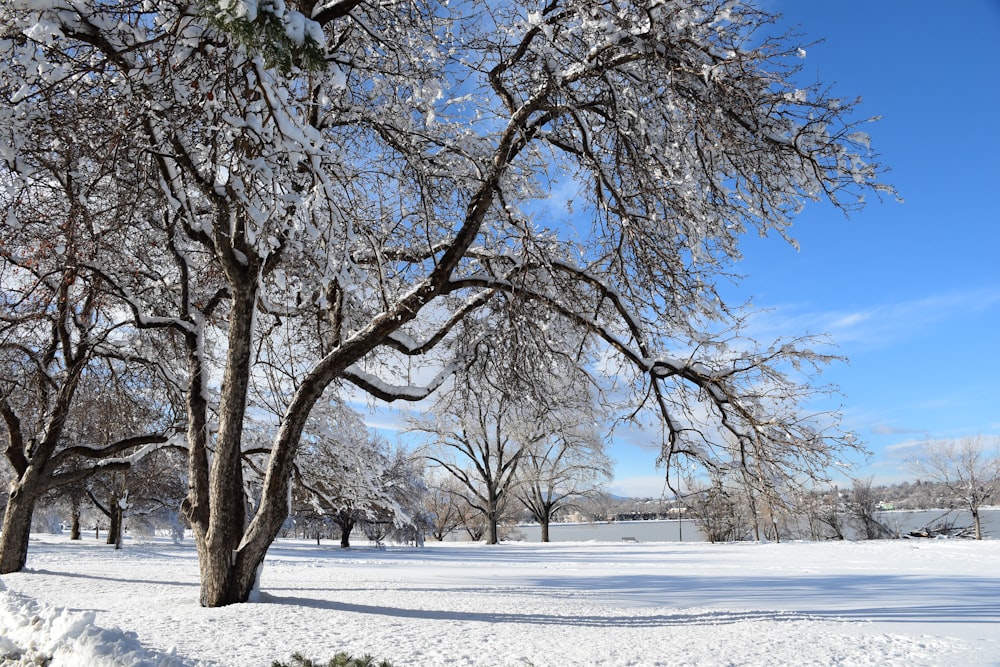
(909, 292)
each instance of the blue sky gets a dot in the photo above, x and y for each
(910, 292)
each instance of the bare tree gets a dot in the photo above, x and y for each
(558, 472)
(864, 507)
(721, 510)
(824, 514)
(399, 183)
(968, 468)
(441, 504)
(59, 343)
(479, 439)
(599, 506)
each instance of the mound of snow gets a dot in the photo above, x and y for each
(34, 634)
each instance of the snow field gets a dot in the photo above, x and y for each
(901, 602)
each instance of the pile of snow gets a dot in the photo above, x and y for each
(901, 602)
(35, 634)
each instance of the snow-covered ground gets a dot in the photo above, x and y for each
(904, 602)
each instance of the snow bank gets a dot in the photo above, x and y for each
(35, 634)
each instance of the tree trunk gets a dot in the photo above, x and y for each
(118, 523)
(114, 524)
(977, 524)
(74, 530)
(16, 531)
(221, 582)
(545, 529)
(215, 506)
(493, 532)
(346, 526)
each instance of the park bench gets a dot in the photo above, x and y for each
(630, 539)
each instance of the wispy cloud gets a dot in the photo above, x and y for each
(876, 325)
(888, 429)
(906, 447)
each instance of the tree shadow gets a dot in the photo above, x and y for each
(700, 617)
(113, 579)
(892, 598)
(711, 600)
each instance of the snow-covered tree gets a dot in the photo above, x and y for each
(403, 181)
(348, 482)
(148, 491)
(348, 475)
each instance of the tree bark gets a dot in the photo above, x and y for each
(545, 529)
(74, 531)
(346, 524)
(16, 531)
(493, 532)
(115, 516)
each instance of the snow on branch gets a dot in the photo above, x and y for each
(387, 392)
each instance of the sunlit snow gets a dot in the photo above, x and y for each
(901, 602)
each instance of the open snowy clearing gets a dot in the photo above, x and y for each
(904, 602)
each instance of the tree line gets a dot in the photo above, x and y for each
(959, 476)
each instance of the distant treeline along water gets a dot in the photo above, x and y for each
(901, 522)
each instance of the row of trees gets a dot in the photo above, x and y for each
(240, 211)
(959, 475)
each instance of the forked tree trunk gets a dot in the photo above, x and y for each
(16, 531)
(215, 505)
(346, 524)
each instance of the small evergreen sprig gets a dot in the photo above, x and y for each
(341, 659)
(284, 38)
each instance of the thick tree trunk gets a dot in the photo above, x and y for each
(545, 529)
(492, 514)
(346, 524)
(975, 522)
(216, 505)
(493, 531)
(16, 531)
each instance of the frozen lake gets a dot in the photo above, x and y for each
(687, 531)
